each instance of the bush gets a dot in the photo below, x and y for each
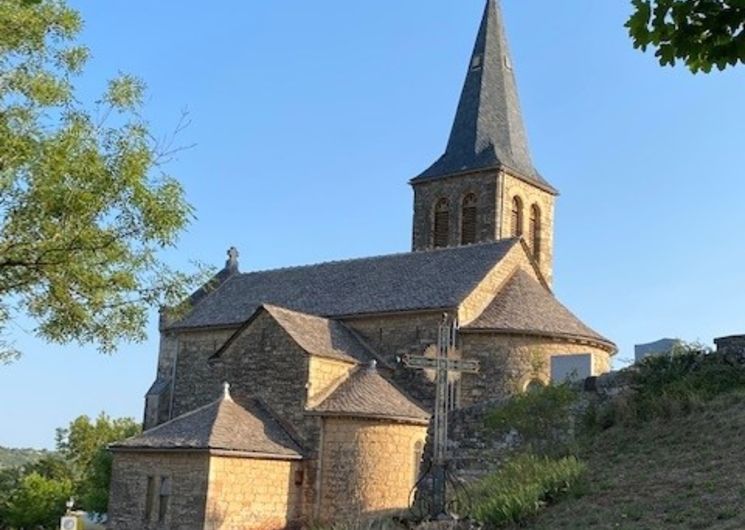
(522, 487)
(670, 386)
(542, 418)
(37, 502)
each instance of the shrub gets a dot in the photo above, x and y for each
(542, 418)
(670, 386)
(522, 487)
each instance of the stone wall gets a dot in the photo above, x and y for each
(188, 474)
(529, 194)
(510, 362)
(324, 376)
(483, 294)
(394, 336)
(197, 382)
(427, 194)
(733, 344)
(264, 361)
(249, 494)
(368, 467)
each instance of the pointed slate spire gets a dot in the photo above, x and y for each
(488, 131)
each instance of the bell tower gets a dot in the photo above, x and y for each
(485, 187)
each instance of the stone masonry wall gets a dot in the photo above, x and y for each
(186, 506)
(530, 195)
(426, 196)
(324, 375)
(394, 336)
(483, 295)
(197, 381)
(265, 362)
(368, 467)
(510, 362)
(249, 494)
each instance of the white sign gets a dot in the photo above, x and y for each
(570, 368)
(69, 523)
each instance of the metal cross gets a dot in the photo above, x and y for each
(443, 364)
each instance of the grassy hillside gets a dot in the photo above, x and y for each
(18, 457)
(685, 471)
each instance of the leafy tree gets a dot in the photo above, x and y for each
(83, 445)
(37, 501)
(85, 204)
(702, 33)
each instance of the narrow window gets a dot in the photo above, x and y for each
(517, 217)
(535, 231)
(418, 456)
(164, 498)
(442, 223)
(149, 498)
(469, 217)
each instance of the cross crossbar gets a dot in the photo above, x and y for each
(451, 365)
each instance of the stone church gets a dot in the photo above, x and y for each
(320, 420)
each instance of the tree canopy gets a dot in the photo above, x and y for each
(704, 34)
(35, 494)
(85, 202)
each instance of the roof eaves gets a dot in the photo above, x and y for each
(596, 341)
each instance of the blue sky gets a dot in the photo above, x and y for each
(310, 117)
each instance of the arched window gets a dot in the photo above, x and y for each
(534, 385)
(469, 219)
(442, 223)
(517, 217)
(535, 231)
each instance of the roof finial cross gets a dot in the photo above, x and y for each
(232, 262)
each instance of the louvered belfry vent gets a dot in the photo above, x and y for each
(442, 224)
(469, 220)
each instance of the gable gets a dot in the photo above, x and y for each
(482, 295)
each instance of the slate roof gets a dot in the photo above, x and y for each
(433, 279)
(524, 305)
(223, 425)
(367, 394)
(488, 131)
(320, 336)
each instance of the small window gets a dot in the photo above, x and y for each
(442, 223)
(517, 217)
(469, 219)
(477, 62)
(535, 231)
(149, 498)
(164, 498)
(418, 456)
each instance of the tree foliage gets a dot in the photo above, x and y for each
(37, 502)
(702, 33)
(34, 495)
(83, 444)
(85, 204)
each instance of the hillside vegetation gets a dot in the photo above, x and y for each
(661, 449)
(684, 471)
(10, 458)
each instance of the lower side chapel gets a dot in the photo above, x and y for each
(280, 398)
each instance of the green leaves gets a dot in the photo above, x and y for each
(703, 33)
(522, 487)
(85, 205)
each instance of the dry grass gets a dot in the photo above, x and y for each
(684, 472)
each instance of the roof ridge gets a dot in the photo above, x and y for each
(442, 250)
